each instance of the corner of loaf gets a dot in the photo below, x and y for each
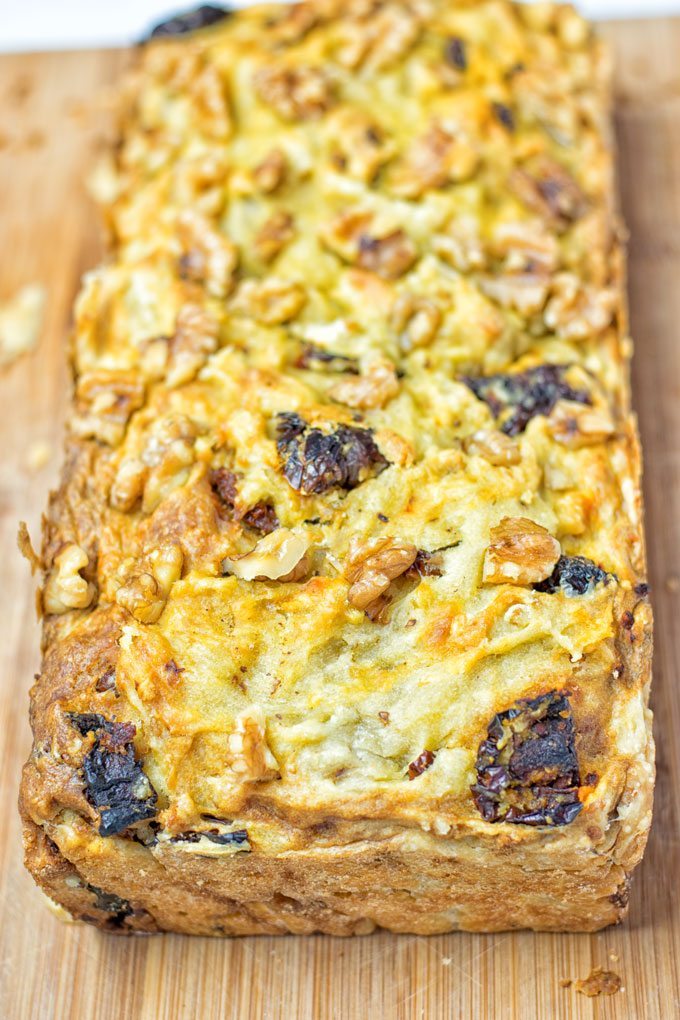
(346, 620)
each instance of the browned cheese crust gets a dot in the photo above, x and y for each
(345, 615)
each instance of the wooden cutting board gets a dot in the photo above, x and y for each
(49, 234)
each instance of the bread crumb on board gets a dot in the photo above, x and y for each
(38, 455)
(599, 982)
(20, 321)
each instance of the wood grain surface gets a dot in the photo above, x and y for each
(49, 970)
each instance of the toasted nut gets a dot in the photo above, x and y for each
(433, 160)
(270, 301)
(105, 401)
(250, 756)
(65, 588)
(389, 256)
(128, 485)
(524, 245)
(144, 594)
(374, 389)
(520, 552)
(296, 93)
(395, 448)
(141, 596)
(577, 425)
(195, 338)
(271, 172)
(576, 311)
(494, 446)
(372, 567)
(550, 190)
(169, 453)
(377, 36)
(525, 292)
(274, 235)
(416, 320)
(360, 147)
(279, 556)
(208, 257)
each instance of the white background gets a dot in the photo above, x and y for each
(41, 24)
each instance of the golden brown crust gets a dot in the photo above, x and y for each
(345, 613)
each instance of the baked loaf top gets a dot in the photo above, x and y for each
(349, 526)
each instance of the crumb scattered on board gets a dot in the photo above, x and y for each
(20, 322)
(599, 982)
(38, 455)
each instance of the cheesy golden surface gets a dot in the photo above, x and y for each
(352, 470)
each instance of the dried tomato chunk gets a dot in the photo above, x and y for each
(527, 769)
(574, 575)
(115, 782)
(190, 21)
(516, 398)
(315, 460)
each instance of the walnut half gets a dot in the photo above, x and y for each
(520, 552)
(65, 588)
(372, 568)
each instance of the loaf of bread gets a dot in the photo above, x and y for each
(345, 615)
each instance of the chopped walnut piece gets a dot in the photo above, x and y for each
(250, 757)
(209, 258)
(274, 235)
(128, 484)
(520, 552)
(396, 449)
(105, 401)
(461, 245)
(295, 93)
(342, 234)
(549, 189)
(168, 454)
(372, 567)
(65, 589)
(494, 446)
(415, 319)
(576, 311)
(195, 337)
(389, 256)
(421, 764)
(433, 161)
(270, 301)
(271, 172)
(373, 389)
(376, 36)
(295, 22)
(362, 147)
(525, 292)
(578, 425)
(279, 556)
(526, 247)
(145, 592)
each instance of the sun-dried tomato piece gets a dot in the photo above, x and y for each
(426, 564)
(233, 838)
(190, 21)
(516, 398)
(321, 360)
(223, 484)
(115, 782)
(504, 115)
(574, 575)
(421, 764)
(315, 461)
(260, 517)
(116, 906)
(527, 769)
(455, 53)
